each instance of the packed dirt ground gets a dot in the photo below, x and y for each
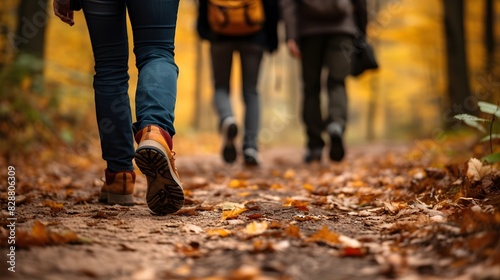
(411, 211)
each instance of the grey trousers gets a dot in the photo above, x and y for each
(222, 58)
(321, 51)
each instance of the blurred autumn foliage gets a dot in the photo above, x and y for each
(49, 100)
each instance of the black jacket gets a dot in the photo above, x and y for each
(267, 36)
(299, 24)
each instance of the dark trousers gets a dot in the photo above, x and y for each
(319, 52)
(153, 25)
(222, 58)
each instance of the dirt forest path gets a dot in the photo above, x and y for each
(386, 212)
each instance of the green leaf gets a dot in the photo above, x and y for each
(467, 117)
(492, 158)
(472, 121)
(489, 108)
(487, 138)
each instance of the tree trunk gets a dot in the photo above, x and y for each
(32, 22)
(29, 43)
(458, 83)
(489, 35)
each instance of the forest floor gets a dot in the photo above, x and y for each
(409, 211)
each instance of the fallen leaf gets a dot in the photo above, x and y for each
(41, 236)
(232, 214)
(238, 183)
(476, 170)
(352, 252)
(191, 211)
(219, 232)
(192, 228)
(255, 228)
(289, 174)
(54, 206)
(326, 236)
(293, 231)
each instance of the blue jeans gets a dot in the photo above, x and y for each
(153, 25)
(222, 59)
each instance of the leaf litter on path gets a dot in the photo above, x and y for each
(377, 214)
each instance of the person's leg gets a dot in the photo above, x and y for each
(250, 56)
(153, 25)
(106, 21)
(222, 59)
(312, 50)
(338, 68)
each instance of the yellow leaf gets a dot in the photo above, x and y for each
(232, 214)
(276, 186)
(308, 187)
(255, 228)
(238, 183)
(289, 174)
(243, 194)
(219, 232)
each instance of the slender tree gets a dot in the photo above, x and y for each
(489, 35)
(458, 82)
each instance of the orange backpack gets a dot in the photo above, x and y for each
(235, 17)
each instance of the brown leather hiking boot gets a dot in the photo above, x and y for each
(118, 188)
(155, 159)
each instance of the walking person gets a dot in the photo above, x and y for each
(153, 24)
(247, 27)
(321, 34)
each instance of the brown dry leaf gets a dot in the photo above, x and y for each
(221, 232)
(54, 206)
(353, 252)
(254, 216)
(476, 170)
(255, 228)
(293, 231)
(40, 236)
(261, 245)
(395, 207)
(326, 236)
(300, 205)
(191, 211)
(189, 250)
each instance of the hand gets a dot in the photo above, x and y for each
(293, 48)
(62, 11)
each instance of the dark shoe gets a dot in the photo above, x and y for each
(313, 155)
(251, 157)
(155, 159)
(118, 188)
(229, 130)
(335, 132)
